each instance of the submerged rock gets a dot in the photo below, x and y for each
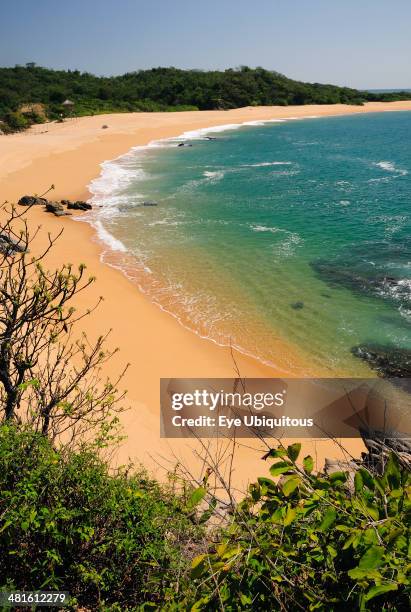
(388, 361)
(32, 201)
(184, 144)
(150, 203)
(381, 285)
(373, 268)
(297, 305)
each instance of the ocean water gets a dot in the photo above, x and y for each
(289, 240)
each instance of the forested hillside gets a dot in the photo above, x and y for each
(30, 94)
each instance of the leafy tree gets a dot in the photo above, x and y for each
(50, 374)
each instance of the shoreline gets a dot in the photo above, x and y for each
(69, 155)
(114, 245)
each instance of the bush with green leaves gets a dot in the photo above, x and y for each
(313, 542)
(112, 541)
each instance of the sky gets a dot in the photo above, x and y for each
(358, 43)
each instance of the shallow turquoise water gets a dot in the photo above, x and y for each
(294, 233)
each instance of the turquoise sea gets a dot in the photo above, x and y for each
(291, 239)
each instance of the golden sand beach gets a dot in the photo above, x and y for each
(68, 155)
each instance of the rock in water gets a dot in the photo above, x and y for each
(388, 361)
(150, 203)
(297, 305)
(32, 201)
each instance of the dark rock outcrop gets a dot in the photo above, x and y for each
(78, 205)
(150, 203)
(388, 361)
(297, 305)
(56, 208)
(9, 245)
(32, 201)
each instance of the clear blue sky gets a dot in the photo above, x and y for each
(361, 43)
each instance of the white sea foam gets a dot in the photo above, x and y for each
(107, 238)
(390, 166)
(405, 313)
(286, 247)
(213, 176)
(168, 222)
(202, 132)
(399, 291)
(264, 164)
(263, 122)
(265, 228)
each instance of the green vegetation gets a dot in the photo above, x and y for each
(314, 542)
(120, 541)
(66, 523)
(159, 89)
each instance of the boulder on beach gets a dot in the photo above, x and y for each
(56, 208)
(32, 201)
(10, 245)
(78, 205)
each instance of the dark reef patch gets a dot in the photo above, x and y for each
(373, 268)
(388, 361)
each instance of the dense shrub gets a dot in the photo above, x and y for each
(16, 121)
(66, 523)
(313, 542)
